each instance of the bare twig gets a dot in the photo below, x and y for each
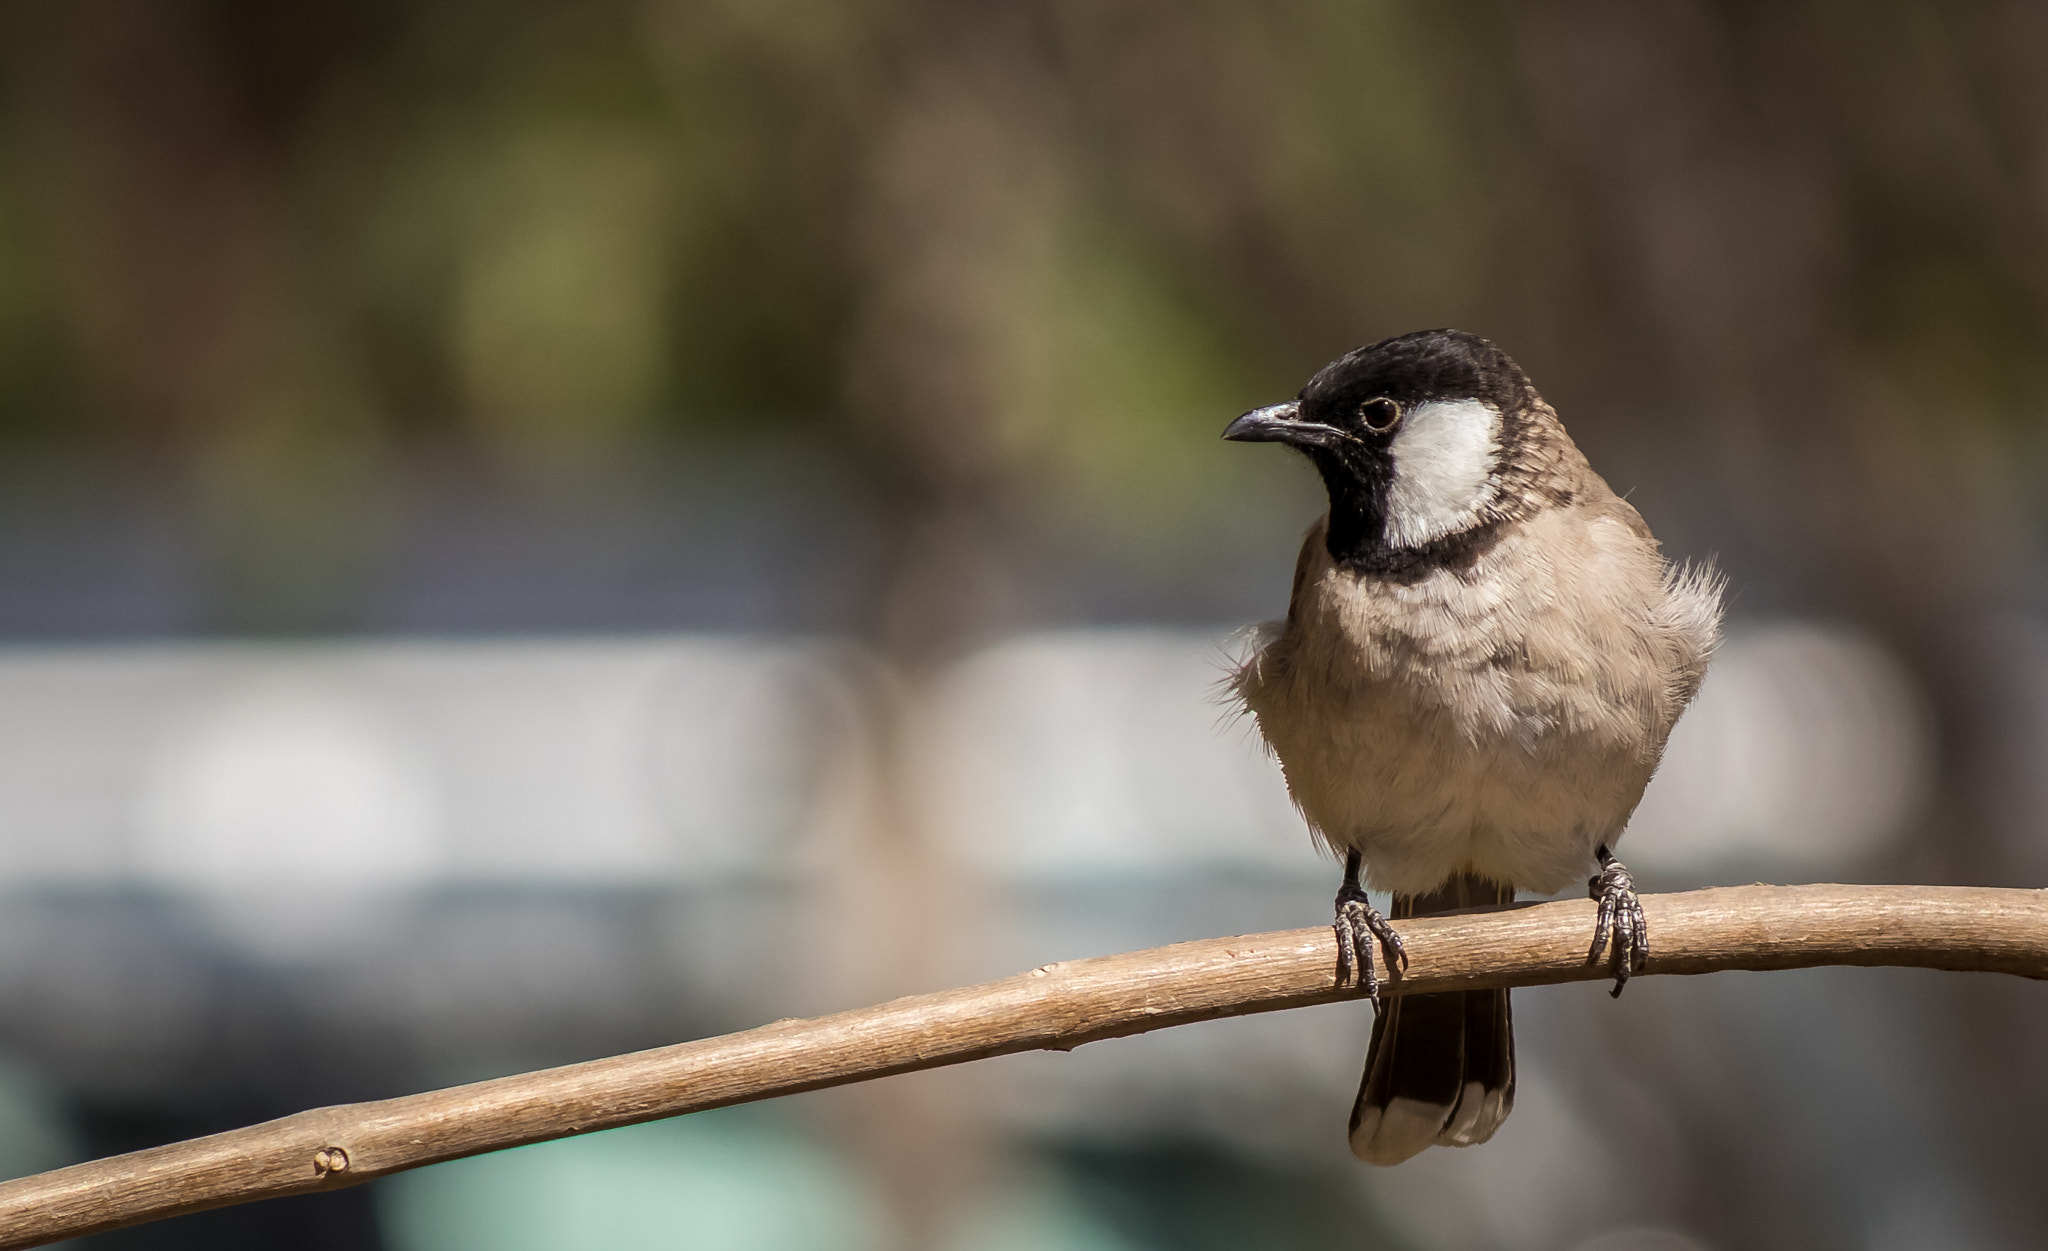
(1056, 1006)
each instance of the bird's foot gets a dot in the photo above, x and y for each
(1621, 918)
(1358, 924)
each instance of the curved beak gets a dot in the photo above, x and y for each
(1281, 423)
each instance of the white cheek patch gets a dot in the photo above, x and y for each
(1444, 458)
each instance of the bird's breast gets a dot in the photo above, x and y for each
(1466, 719)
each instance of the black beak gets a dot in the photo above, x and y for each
(1281, 423)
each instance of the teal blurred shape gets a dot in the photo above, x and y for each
(720, 1181)
(36, 1134)
(1040, 1218)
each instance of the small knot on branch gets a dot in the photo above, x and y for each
(330, 1160)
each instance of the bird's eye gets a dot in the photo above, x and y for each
(1380, 415)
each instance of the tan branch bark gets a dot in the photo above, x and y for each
(1056, 1006)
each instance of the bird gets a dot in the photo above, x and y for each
(1484, 653)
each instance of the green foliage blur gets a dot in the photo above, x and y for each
(1018, 258)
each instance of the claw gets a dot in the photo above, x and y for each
(1620, 919)
(1358, 924)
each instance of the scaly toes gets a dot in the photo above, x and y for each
(1618, 927)
(1354, 946)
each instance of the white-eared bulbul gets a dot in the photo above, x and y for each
(1483, 655)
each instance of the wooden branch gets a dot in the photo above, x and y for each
(1055, 1006)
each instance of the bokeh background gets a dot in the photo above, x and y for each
(530, 530)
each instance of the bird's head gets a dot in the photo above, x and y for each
(1414, 436)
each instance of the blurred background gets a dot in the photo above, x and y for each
(533, 530)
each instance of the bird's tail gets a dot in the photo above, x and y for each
(1440, 1068)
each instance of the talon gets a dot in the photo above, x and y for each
(1358, 924)
(1354, 954)
(1354, 946)
(1618, 926)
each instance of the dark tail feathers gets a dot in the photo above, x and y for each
(1440, 1069)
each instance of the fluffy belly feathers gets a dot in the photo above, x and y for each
(1405, 739)
(1422, 799)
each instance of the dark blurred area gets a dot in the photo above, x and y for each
(533, 530)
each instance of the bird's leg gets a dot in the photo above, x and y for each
(1621, 915)
(1358, 923)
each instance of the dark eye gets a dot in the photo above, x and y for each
(1380, 415)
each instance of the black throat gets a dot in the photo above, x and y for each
(1357, 538)
(1357, 486)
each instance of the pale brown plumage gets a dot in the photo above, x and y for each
(1500, 715)
(1483, 656)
